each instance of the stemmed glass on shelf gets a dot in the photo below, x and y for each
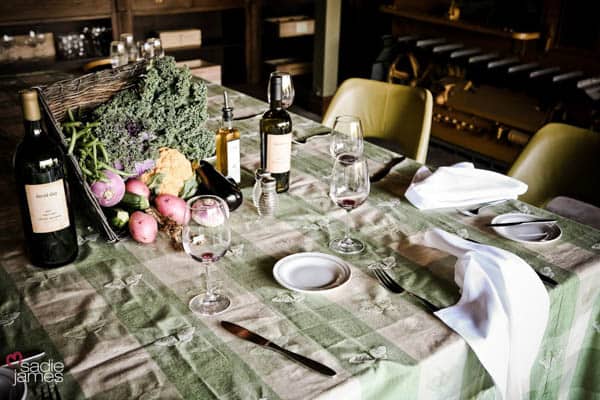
(349, 188)
(206, 237)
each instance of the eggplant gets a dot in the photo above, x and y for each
(214, 183)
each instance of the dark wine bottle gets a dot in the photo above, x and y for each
(213, 182)
(276, 139)
(48, 223)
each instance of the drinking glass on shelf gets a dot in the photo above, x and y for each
(287, 88)
(157, 49)
(346, 136)
(118, 54)
(206, 237)
(141, 50)
(130, 47)
(349, 188)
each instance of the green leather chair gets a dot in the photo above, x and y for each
(395, 113)
(560, 160)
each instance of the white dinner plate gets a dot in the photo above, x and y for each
(7, 390)
(311, 272)
(530, 233)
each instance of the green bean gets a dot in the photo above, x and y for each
(85, 170)
(103, 151)
(70, 113)
(72, 143)
(116, 171)
(95, 155)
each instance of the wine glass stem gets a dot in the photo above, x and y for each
(347, 232)
(210, 296)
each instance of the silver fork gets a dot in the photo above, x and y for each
(387, 282)
(473, 212)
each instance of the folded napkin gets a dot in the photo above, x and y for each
(460, 185)
(502, 313)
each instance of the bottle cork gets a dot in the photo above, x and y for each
(31, 107)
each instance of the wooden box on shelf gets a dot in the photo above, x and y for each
(291, 26)
(181, 39)
(203, 69)
(290, 65)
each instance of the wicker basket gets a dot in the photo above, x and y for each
(87, 91)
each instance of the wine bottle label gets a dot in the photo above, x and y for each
(279, 153)
(47, 205)
(233, 160)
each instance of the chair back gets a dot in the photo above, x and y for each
(560, 160)
(397, 113)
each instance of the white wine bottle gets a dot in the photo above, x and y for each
(48, 224)
(276, 138)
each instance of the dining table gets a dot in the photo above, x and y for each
(118, 317)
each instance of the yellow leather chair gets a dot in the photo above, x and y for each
(396, 113)
(560, 160)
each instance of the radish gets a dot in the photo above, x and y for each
(143, 227)
(172, 207)
(109, 191)
(138, 187)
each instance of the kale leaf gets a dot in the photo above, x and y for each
(167, 108)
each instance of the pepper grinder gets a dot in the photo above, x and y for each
(259, 174)
(267, 202)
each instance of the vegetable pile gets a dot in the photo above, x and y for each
(135, 150)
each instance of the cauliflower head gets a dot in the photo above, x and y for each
(170, 173)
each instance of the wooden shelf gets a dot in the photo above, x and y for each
(466, 26)
(50, 63)
(200, 9)
(52, 20)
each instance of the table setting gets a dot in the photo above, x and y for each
(373, 277)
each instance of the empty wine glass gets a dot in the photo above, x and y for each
(349, 188)
(206, 237)
(346, 136)
(118, 54)
(287, 89)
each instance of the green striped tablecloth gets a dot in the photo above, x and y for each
(118, 316)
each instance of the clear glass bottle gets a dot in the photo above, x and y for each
(228, 144)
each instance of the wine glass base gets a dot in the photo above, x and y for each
(347, 246)
(216, 306)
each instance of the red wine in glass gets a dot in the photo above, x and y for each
(349, 204)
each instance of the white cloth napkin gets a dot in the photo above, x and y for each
(460, 185)
(502, 313)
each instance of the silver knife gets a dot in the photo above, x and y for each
(245, 334)
(533, 221)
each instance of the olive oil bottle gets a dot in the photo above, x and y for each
(228, 144)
